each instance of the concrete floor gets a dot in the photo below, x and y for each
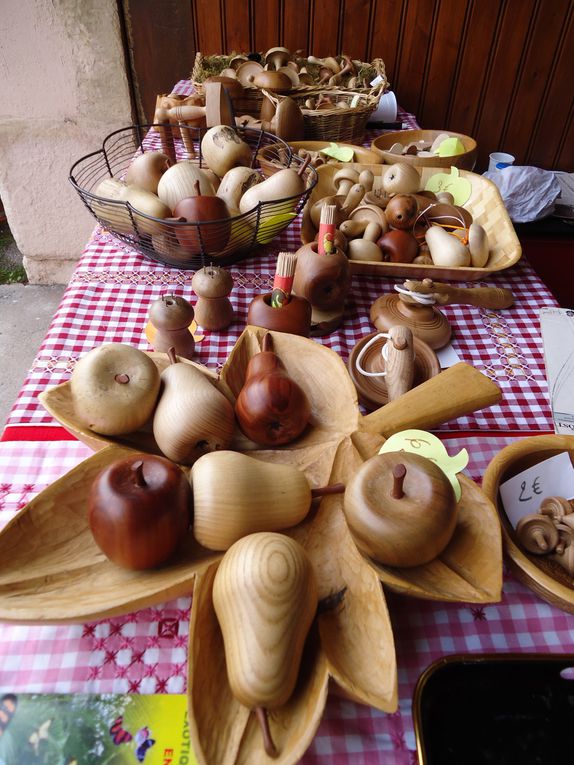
(25, 314)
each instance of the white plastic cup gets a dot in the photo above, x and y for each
(499, 160)
(386, 110)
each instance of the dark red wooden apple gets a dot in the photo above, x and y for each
(139, 510)
(214, 224)
(398, 246)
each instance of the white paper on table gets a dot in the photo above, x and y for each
(447, 356)
(523, 493)
(557, 329)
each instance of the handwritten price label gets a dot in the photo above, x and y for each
(523, 494)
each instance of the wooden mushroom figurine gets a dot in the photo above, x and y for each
(213, 309)
(401, 509)
(171, 316)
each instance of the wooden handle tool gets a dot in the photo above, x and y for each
(446, 294)
(456, 391)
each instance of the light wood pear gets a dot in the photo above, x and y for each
(192, 417)
(265, 598)
(235, 495)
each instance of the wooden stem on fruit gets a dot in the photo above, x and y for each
(323, 491)
(171, 355)
(138, 474)
(399, 473)
(268, 744)
(123, 379)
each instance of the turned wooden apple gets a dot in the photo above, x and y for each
(139, 510)
(401, 509)
(398, 246)
(213, 227)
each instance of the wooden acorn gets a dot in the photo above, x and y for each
(271, 408)
(400, 509)
(265, 598)
(171, 316)
(213, 309)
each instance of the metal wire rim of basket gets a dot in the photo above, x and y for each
(187, 245)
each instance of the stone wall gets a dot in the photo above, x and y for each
(63, 88)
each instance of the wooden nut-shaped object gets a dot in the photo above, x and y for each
(171, 312)
(401, 509)
(212, 282)
(537, 534)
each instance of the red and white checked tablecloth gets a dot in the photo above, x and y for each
(107, 300)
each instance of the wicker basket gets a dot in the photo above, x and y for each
(186, 245)
(343, 125)
(251, 101)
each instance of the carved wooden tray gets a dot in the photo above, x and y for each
(51, 571)
(546, 578)
(485, 204)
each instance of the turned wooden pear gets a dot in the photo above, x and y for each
(265, 598)
(235, 495)
(271, 408)
(192, 417)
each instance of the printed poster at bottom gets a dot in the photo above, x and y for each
(94, 729)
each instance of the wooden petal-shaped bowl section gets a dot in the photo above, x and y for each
(351, 642)
(469, 569)
(546, 578)
(59, 403)
(51, 570)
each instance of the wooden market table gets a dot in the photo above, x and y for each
(107, 300)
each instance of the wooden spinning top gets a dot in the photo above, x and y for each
(415, 307)
(171, 316)
(213, 309)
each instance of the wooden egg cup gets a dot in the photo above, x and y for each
(294, 317)
(372, 391)
(426, 322)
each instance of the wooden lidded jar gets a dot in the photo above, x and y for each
(213, 309)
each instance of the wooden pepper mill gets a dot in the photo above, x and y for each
(171, 316)
(213, 309)
(323, 276)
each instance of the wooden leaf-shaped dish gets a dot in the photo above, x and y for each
(470, 573)
(545, 577)
(51, 570)
(351, 641)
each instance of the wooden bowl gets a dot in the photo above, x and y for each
(485, 205)
(546, 578)
(372, 391)
(383, 143)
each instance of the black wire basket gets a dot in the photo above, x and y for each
(187, 245)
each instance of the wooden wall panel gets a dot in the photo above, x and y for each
(533, 80)
(267, 31)
(414, 53)
(385, 39)
(438, 86)
(505, 65)
(209, 26)
(324, 24)
(296, 32)
(499, 70)
(355, 29)
(544, 147)
(237, 28)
